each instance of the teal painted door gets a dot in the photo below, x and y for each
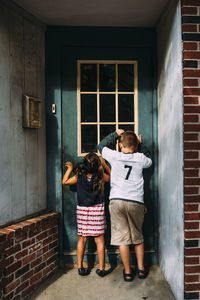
(146, 114)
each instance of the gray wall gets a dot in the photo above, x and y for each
(170, 141)
(22, 151)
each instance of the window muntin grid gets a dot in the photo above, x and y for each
(107, 99)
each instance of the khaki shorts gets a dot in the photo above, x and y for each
(126, 222)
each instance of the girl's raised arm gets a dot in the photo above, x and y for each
(67, 180)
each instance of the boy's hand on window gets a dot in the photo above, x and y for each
(120, 132)
(139, 139)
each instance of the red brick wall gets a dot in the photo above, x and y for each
(191, 91)
(28, 255)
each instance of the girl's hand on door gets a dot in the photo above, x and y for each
(69, 165)
(67, 180)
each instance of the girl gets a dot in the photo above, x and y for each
(90, 178)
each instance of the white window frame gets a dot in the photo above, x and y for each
(98, 93)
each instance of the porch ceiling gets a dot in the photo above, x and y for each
(131, 13)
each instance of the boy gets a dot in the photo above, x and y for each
(126, 197)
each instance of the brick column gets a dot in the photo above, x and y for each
(191, 92)
(28, 255)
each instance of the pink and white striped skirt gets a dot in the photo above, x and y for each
(91, 220)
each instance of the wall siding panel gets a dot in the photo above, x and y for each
(18, 179)
(22, 150)
(5, 135)
(41, 133)
(30, 88)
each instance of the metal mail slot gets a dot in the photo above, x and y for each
(31, 112)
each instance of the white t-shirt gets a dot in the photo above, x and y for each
(126, 180)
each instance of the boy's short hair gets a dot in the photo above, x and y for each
(129, 139)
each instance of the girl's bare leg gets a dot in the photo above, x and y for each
(82, 240)
(99, 240)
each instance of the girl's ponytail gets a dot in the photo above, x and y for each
(99, 182)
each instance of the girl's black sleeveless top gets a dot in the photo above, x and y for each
(86, 196)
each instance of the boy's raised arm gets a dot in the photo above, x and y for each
(110, 140)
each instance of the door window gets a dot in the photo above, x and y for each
(107, 95)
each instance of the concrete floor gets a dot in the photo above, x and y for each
(68, 285)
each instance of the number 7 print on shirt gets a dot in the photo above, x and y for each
(129, 171)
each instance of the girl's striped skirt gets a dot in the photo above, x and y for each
(91, 220)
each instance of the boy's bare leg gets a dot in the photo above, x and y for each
(125, 256)
(139, 251)
(99, 240)
(82, 240)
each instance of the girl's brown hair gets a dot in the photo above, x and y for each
(92, 164)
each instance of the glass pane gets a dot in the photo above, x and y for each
(125, 78)
(89, 138)
(88, 108)
(107, 108)
(106, 78)
(126, 108)
(126, 127)
(88, 77)
(105, 130)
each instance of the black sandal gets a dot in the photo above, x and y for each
(128, 277)
(83, 271)
(102, 273)
(144, 273)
